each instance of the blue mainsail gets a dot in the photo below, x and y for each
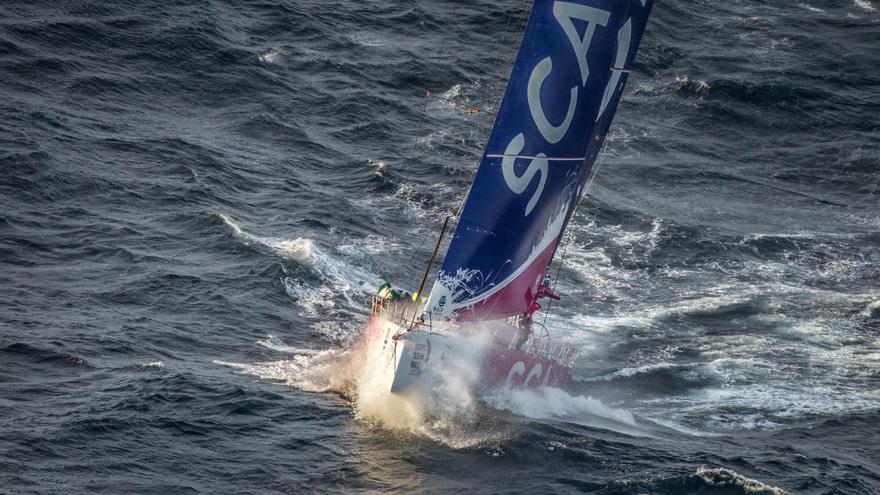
(566, 82)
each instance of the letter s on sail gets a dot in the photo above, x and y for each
(519, 183)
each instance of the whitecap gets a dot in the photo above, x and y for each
(554, 403)
(633, 371)
(338, 277)
(276, 344)
(298, 249)
(723, 477)
(317, 371)
(864, 5)
(272, 56)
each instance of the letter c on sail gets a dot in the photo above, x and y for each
(553, 134)
(519, 183)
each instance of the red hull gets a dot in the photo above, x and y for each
(519, 369)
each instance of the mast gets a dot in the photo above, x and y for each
(470, 109)
(428, 268)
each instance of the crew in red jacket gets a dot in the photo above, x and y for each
(545, 291)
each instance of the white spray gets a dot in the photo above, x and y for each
(444, 407)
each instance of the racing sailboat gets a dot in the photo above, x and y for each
(567, 79)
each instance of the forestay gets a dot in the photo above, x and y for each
(566, 82)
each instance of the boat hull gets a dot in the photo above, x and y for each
(416, 359)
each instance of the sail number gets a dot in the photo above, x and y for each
(564, 12)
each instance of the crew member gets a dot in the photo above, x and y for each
(387, 293)
(524, 326)
(545, 291)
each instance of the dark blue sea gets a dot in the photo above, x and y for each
(198, 198)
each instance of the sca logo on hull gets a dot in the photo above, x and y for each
(532, 379)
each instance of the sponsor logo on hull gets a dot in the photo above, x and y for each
(517, 369)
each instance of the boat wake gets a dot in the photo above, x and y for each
(452, 416)
(453, 411)
(300, 249)
(322, 281)
(554, 403)
(311, 372)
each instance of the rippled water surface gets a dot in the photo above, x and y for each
(198, 198)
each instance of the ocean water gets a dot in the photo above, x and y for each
(197, 199)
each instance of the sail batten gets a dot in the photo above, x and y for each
(566, 81)
(549, 158)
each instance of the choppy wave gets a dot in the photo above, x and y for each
(552, 403)
(336, 278)
(299, 249)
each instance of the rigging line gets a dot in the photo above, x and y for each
(422, 117)
(424, 241)
(428, 268)
(520, 22)
(512, 50)
(470, 108)
(522, 18)
(504, 36)
(570, 233)
(428, 93)
(510, 36)
(506, 69)
(567, 239)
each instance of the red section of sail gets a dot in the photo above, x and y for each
(519, 293)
